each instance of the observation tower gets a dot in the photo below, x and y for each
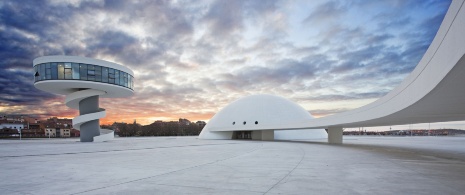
(83, 80)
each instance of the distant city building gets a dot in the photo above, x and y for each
(60, 121)
(57, 130)
(18, 118)
(12, 125)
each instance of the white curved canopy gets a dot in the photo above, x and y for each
(433, 92)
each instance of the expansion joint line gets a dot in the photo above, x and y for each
(175, 171)
(287, 175)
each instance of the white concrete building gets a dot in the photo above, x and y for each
(433, 92)
(18, 126)
(50, 132)
(83, 81)
(254, 116)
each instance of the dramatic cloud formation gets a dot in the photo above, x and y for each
(192, 58)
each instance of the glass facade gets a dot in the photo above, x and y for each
(86, 72)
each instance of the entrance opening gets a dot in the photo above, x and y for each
(242, 135)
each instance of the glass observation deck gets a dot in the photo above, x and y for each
(83, 72)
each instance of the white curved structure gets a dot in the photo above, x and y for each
(433, 92)
(247, 117)
(83, 81)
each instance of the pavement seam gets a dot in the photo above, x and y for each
(199, 165)
(15, 190)
(287, 175)
(207, 188)
(105, 151)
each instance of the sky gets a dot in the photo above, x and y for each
(192, 58)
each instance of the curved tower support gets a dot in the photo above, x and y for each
(83, 81)
(88, 121)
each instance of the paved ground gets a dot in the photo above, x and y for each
(186, 165)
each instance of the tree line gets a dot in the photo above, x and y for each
(172, 128)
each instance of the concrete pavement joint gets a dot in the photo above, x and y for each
(207, 188)
(301, 159)
(104, 151)
(140, 179)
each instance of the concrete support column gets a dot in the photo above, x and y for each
(264, 135)
(256, 135)
(335, 135)
(89, 129)
(268, 135)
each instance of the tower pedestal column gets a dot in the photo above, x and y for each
(91, 128)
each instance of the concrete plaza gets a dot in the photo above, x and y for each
(187, 165)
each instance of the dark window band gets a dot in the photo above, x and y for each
(85, 72)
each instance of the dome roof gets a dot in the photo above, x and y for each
(255, 112)
(265, 109)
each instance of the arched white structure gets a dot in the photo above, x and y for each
(83, 81)
(254, 112)
(433, 92)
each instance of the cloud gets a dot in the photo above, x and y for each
(192, 58)
(224, 18)
(326, 12)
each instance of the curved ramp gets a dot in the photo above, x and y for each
(88, 120)
(433, 92)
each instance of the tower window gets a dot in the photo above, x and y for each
(234, 123)
(256, 122)
(244, 122)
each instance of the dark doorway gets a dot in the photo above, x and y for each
(242, 135)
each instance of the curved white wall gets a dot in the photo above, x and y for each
(268, 111)
(303, 134)
(433, 92)
(435, 74)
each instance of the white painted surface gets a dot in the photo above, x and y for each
(304, 134)
(267, 110)
(105, 135)
(65, 87)
(186, 165)
(433, 92)
(79, 120)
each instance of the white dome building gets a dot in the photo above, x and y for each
(256, 117)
